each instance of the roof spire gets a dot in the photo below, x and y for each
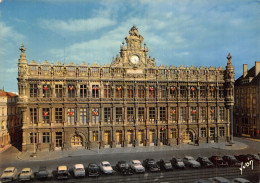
(22, 55)
(229, 57)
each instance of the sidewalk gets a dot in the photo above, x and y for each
(3, 149)
(46, 155)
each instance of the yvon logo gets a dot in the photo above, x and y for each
(247, 164)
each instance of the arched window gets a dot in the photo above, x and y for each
(76, 140)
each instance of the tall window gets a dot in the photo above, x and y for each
(119, 114)
(193, 114)
(83, 116)
(95, 136)
(107, 115)
(46, 115)
(221, 131)
(95, 116)
(203, 92)
(46, 91)
(212, 92)
(107, 90)
(71, 91)
(173, 114)
(45, 137)
(95, 93)
(33, 140)
(173, 92)
(71, 116)
(183, 92)
(83, 91)
(193, 92)
(183, 114)
(33, 115)
(212, 113)
(151, 92)
(130, 114)
(58, 91)
(203, 132)
(163, 114)
(119, 92)
(221, 113)
(58, 115)
(130, 91)
(162, 92)
(203, 114)
(33, 90)
(141, 114)
(141, 92)
(152, 114)
(174, 133)
(221, 91)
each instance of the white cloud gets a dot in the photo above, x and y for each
(76, 25)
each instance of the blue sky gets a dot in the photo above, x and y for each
(177, 32)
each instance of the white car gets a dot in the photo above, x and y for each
(26, 174)
(219, 180)
(62, 172)
(79, 170)
(106, 168)
(9, 174)
(137, 166)
(190, 162)
(240, 180)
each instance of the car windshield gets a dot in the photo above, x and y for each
(106, 165)
(25, 171)
(122, 165)
(256, 156)
(80, 169)
(168, 163)
(179, 160)
(8, 171)
(232, 157)
(137, 163)
(205, 159)
(93, 166)
(151, 162)
(62, 171)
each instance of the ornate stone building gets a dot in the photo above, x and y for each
(247, 102)
(131, 102)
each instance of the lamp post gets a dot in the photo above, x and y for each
(95, 113)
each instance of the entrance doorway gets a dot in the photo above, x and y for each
(212, 134)
(163, 136)
(76, 141)
(141, 137)
(187, 137)
(58, 138)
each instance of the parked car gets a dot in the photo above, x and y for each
(202, 181)
(137, 166)
(231, 160)
(191, 162)
(165, 165)
(219, 180)
(42, 173)
(254, 157)
(151, 165)
(79, 170)
(205, 162)
(177, 163)
(106, 168)
(62, 172)
(123, 168)
(9, 174)
(26, 174)
(243, 158)
(240, 180)
(93, 170)
(218, 161)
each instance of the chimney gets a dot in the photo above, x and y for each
(257, 67)
(245, 69)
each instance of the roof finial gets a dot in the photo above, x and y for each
(22, 49)
(229, 57)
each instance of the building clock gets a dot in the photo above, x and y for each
(134, 59)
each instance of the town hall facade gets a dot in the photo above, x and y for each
(131, 102)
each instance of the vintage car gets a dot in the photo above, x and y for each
(9, 174)
(243, 158)
(205, 162)
(137, 166)
(123, 168)
(219, 180)
(151, 165)
(62, 172)
(177, 163)
(106, 168)
(93, 170)
(218, 161)
(191, 162)
(79, 170)
(231, 160)
(254, 157)
(165, 165)
(42, 173)
(26, 174)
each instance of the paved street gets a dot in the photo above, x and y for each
(12, 157)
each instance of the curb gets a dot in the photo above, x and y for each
(5, 148)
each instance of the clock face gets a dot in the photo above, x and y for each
(134, 59)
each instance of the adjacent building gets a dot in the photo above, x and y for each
(8, 117)
(247, 102)
(131, 102)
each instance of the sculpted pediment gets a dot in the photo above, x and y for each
(33, 63)
(45, 62)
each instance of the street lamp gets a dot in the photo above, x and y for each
(95, 113)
